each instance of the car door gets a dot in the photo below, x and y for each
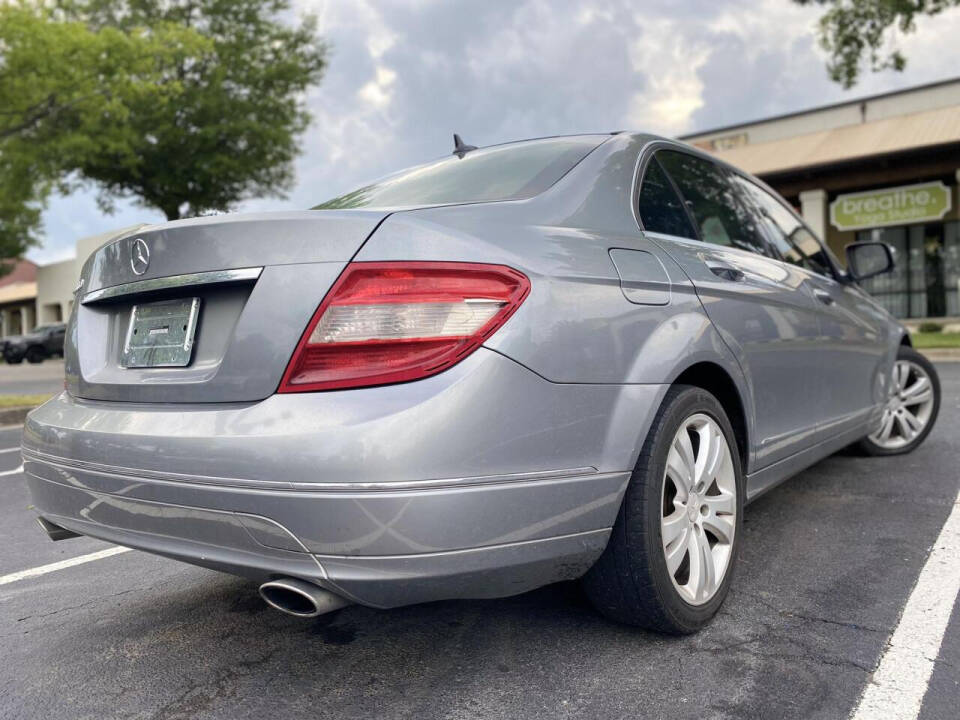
(763, 309)
(855, 357)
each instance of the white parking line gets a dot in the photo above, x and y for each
(15, 471)
(53, 567)
(9, 450)
(900, 682)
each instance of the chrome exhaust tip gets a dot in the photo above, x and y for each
(55, 532)
(300, 598)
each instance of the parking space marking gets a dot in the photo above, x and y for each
(62, 565)
(900, 682)
(9, 450)
(15, 471)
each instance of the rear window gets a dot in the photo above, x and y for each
(504, 172)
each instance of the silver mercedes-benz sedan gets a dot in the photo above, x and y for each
(572, 357)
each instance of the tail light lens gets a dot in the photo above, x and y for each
(390, 322)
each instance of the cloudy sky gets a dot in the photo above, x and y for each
(405, 74)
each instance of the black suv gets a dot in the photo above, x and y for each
(45, 341)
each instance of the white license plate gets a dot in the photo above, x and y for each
(160, 334)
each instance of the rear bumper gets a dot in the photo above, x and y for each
(483, 481)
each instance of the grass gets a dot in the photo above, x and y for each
(926, 341)
(8, 401)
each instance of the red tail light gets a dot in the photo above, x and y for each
(390, 322)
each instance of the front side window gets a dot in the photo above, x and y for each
(503, 172)
(791, 237)
(721, 216)
(659, 207)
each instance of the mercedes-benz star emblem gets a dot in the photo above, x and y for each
(139, 256)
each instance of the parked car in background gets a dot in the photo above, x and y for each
(43, 342)
(573, 357)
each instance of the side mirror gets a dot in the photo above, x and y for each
(867, 259)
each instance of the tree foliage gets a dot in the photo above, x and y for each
(186, 106)
(65, 92)
(232, 131)
(862, 32)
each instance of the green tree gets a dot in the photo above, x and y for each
(232, 132)
(64, 93)
(858, 32)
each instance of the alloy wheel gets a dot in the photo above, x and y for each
(908, 408)
(699, 506)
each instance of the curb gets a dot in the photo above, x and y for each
(942, 354)
(15, 415)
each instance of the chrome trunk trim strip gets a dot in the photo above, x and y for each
(173, 281)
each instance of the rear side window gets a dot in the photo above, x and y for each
(659, 207)
(790, 237)
(710, 195)
(503, 172)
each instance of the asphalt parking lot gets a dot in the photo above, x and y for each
(828, 565)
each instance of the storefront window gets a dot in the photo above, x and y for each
(924, 283)
(951, 266)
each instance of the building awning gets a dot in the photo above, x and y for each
(18, 291)
(905, 132)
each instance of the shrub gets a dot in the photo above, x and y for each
(931, 327)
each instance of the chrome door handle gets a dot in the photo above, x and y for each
(726, 272)
(824, 297)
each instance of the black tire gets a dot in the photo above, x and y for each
(35, 355)
(630, 582)
(905, 352)
(13, 359)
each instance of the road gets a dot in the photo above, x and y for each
(828, 564)
(28, 379)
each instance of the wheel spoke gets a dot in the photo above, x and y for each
(920, 385)
(709, 568)
(886, 427)
(678, 471)
(902, 372)
(685, 459)
(920, 398)
(695, 579)
(675, 553)
(673, 526)
(723, 504)
(721, 527)
(910, 424)
(709, 456)
(702, 571)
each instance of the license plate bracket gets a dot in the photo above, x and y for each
(161, 334)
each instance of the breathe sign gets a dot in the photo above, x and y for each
(890, 206)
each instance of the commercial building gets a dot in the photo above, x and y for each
(57, 282)
(18, 290)
(885, 167)
(33, 295)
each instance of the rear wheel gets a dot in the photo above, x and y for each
(670, 558)
(911, 407)
(35, 355)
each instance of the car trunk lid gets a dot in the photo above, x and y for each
(231, 294)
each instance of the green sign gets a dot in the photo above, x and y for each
(890, 206)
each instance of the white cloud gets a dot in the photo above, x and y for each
(405, 74)
(671, 64)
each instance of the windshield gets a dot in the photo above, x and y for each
(504, 172)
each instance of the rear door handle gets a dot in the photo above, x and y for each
(824, 297)
(727, 272)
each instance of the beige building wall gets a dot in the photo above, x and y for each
(854, 112)
(55, 285)
(57, 282)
